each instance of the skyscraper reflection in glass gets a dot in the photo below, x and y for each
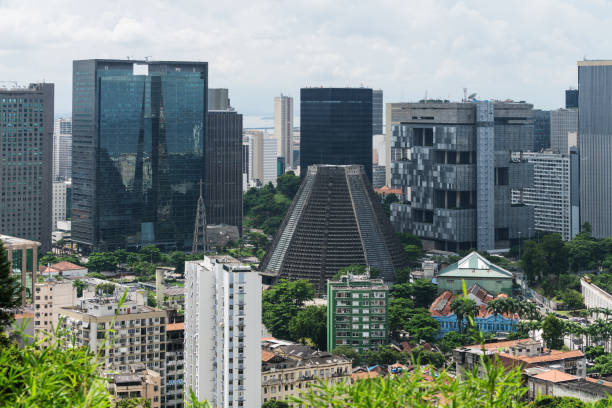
(138, 152)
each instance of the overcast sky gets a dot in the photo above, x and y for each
(518, 49)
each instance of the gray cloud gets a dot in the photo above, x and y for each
(514, 49)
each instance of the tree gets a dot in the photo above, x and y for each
(400, 311)
(275, 403)
(310, 323)
(387, 201)
(150, 253)
(496, 307)
(103, 289)
(533, 261)
(177, 259)
(413, 252)
(552, 332)
(592, 352)
(102, 262)
(10, 289)
(79, 285)
(133, 403)
(422, 326)
(48, 259)
(556, 254)
(349, 353)
(426, 357)
(151, 299)
(453, 340)
(409, 239)
(423, 292)
(143, 268)
(463, 307)
(603, 365)
(402, 291)
(288, 184)
(121, 255)
(281, 302)
(403, 275)
(572, 299)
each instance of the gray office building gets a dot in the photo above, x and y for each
(218, 99)
(223, 169)
(26, 127)
(563, 130)
(541, 130)
(595, 144)
(377, 112)
(453, 162)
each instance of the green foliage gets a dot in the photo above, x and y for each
(533, 261)
(422, 292)
(151, 299)
(453, 340)
(348, 352)
(310, 323)
(400, 312)
(603, 365)
(403, 275)
(288, 184)
(356, 270)
(387, 201)
(552, 332)
(282, 302)
(102, 262)
(592, 352)
(571, 298)
(409, 239)
(150, 253)
(133, 403)
(105, 289)
(10, 288)
(275, 403)
(121, 255)
(463, 307)
(79, 285)
(498, 389)
(568, 402)
(143, 268)
(422, 326)
(177, 260)
(265, 208)
(48, 259)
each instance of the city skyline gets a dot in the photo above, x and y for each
(321, 47)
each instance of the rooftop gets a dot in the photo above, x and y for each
(442, 305)
(555, 376)
(475, 265)
(175, 326)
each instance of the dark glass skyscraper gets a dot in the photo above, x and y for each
(223, 181)
(571, 98)
(541, 130)
(138, 152)
(336, 127)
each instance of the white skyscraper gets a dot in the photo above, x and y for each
(62, 149)
(223, 332)
(60, 189)
(283, 128)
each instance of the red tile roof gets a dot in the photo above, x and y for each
(267, 356)
(598, 381)
(363, 375)
(66, 266)
(175, 326)
(555, 376)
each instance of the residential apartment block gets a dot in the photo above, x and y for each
(139, 382)
(49, 297)
(175, 365)
(357, 312)
(223, 332)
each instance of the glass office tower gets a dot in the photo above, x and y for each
(138, 152)
(336, 127)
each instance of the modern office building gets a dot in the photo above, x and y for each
(62, 149)
(336, 127)
(218, 99)
(541, 130)
(139, 338)
(138, 136)
(280, 166)
(175, 365)
(550, 194)
(22, 254)
(357, 313)
(246, 164)
(223, 169)
(60, 201)
(26, 129)
(283, 128)
(453, 162)
(335, 220)
(263, 157)
(563, 130)
(288, 369)
(223, 332)
(595, 144)
(571, 98)
(378, 176)
(377, 112)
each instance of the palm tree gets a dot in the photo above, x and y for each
(496, 307)
(463, 307)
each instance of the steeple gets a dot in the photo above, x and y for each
(199, 230)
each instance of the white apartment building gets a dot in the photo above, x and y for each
(140, 332)
(59, 201)
(283, 128)
(49, 297)
(223, 332)
(62, 149)
(551, 193)
(262, 158)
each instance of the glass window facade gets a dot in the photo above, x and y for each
(336, 127)
(138, 143)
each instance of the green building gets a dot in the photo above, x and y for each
(474, 268)
(357, 313)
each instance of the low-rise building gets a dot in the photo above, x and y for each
(475, 268)
(49, 297)
(556, 383)
(138, 382)
(486, 321)
(64, 269)
(289, 368)
(524, 353)
(357, 312)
